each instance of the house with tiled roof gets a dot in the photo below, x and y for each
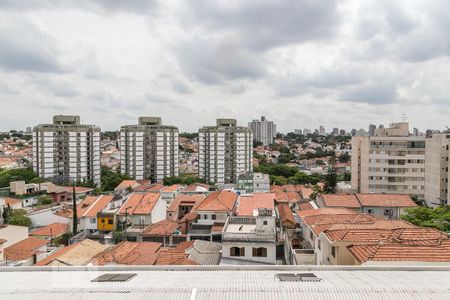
(11, 234)
(26, 252)
(286, 216)
(10, 202)
(249, 204)
(141, 210)
(339, 200)
(388, 206)
(128, 253)
(88, 210)
(196, 188)
(127, 185)
(213, 212)
(50, 231)
(169, 193)
(183, 205)
(165, 232)
(77, 254)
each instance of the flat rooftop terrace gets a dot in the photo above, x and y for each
(226, 282)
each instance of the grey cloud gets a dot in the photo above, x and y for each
(265, 24)
(181, 87)
(376, 93)
(23, 47)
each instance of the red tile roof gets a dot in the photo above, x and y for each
(282, 196)
(399, 252)
(11, 201)
(24, 249)
(171, 189)
(126, 184)
(222, 201)
(247, 203)
(189, 217)
(306, 206)
(175, 256)
(129, 253)
(140, 204)
(78, 189)
(386, 200)
(340, 200)
(286, 215)
(379, 224)
(92, 205)
(320, 223)
(185, 200)
(161, 228)
(193, 187)
(324, 211)
(307, 192)
(52, 230)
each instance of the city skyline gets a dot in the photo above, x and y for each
(338, 64)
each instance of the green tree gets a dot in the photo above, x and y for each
(18, 217)
(111, 179)
(44, 200)
(345, 157)
(438, 218)
(6, 176)
(330, 181)
(278, 180)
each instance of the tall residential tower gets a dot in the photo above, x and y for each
(225, 151)
(66, 150)
(149, 150)
(392, 161)
(263, 131)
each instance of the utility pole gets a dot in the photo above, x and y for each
(126, 223)
(74, 211)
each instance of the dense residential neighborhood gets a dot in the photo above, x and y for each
(222, 196)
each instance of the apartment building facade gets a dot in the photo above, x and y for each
(149, 150)
(225, 151)
(66, 150)
(437, 164)
(392, 161)
(263, 131)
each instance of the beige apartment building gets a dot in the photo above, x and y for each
(437, 166)
(149, 150)
(392, 161)
(225, 151)
(67, 150)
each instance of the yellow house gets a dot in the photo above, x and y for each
(105, 222)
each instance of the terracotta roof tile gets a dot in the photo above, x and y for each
(196, 187)
(286, 215)
(52, 230)
(126, 184)
(140, 204)
(218, 201)
(325, 211)
(129, 253)
(186, 200)
(92, 205)
(385, 200)
(248, 203)
(24, 249)
(11, 201)
(171, 188)
(161, 228)
(306, 206)
(340, 200)
(320, 223)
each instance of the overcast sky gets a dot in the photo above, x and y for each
(301, 63)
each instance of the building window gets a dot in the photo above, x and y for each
(260, 252)
(110, 221)
(333, 251)
(213, 217)
(318, 244)
(103, 220)
(264, 222)
(236, 251)
(93, 220)
(370, 211)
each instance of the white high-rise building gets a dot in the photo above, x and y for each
(149, 150)
(437, 164)
(66, 150)
(263, 131)
(225, 151)
(391, 161)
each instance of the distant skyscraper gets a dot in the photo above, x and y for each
(372, 128)
(353, 132)
(342, 132)
(335, 131)
(307, 131)
(66, 150)
(298, 131)
(416, 132)
(322, 130)
(149, 150)
(225, 151)
(263, 131)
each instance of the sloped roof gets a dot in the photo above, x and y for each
(247, 203)
(126, 184)
(171, 188)
(77, 254)
(24, 249)
(92, 205)
(218, 201)
(324, 211)
(400, 252)
(140, 204)
(52, 230)
(196, 187)
(306, 206)
(286, 215)
(11, 201)
(341, 200)
(386, 200)
(320, 223)
(378, 224)
(185, 199)
(129, 253)
(161, 228)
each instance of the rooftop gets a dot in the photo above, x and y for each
(341, 200)
(386, 200)
(226, 282)
(52, 230)
(218, 201)
(251, 202)
(24, 249)
(161, 228)
(139, 204)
